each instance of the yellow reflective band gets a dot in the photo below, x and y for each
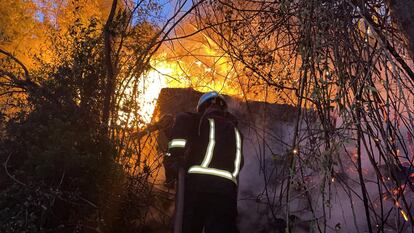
(238, 153)
(211, 144)
(212, 171)
(177, 143)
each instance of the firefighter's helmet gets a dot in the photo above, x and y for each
(211, 97)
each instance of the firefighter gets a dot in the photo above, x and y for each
(208, 145)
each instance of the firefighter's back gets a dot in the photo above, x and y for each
(214, 156)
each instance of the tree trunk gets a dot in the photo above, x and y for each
(402, 12)
(110, 70)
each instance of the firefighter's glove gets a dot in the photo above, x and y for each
(171, 170)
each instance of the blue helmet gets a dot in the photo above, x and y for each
(210, 96)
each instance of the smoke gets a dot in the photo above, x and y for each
(265, 143)
(318, 201)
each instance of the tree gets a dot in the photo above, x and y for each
(20, 30)
(404, 17)
(61, 171)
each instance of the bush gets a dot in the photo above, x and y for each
(61, 172)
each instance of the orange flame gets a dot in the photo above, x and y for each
(197, 63)
(200, 62)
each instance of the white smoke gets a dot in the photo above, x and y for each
(268, 138)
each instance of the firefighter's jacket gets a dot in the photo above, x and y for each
(209, 146)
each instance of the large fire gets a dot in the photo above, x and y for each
(150, 86)
(197, 63)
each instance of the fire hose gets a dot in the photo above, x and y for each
(165, 122)
(179, 201)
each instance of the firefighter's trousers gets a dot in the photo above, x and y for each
(214, 213)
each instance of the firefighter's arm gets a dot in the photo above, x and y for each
(178, 137)
(177, 146)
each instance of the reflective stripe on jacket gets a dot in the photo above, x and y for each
(211, 144)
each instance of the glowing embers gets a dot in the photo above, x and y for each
(403, 213)
(395, 194)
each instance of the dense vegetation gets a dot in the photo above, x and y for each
(61, 165)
